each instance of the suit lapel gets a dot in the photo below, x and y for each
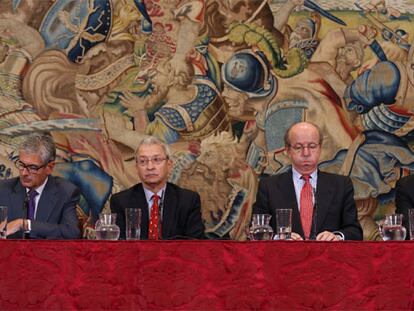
(47, 200)
(324, 196)
(17, 197)
(168, 212)
(288, 191)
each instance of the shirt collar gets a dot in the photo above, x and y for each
(298, 176)
(39, 189)
(149, 193)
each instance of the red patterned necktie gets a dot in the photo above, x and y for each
(306, 206)
(153, 232)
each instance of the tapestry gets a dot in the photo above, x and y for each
(220, 81)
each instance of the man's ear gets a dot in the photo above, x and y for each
(170, 164)
(50, 166)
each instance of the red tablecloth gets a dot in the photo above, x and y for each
(206, 275)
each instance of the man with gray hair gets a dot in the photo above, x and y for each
(168, 211)
(40, 206)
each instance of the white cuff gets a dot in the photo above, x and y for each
(29, 226)
(340, 234)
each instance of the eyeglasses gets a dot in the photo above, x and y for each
(31, 168)
(143, 161)
(298, 148)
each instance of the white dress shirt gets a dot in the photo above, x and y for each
(39, 190)
(298, 182)
(149, 197)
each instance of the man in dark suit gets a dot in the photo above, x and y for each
(323, 206)
(39, 205)
(404, 199)
(168, 211)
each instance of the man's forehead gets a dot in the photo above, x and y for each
(29, 157)
(154, 149)
(304, 132)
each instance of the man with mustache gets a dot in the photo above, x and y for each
(168, 211)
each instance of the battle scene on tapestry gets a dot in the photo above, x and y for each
(220, 81)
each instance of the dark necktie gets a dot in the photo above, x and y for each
(31, 204)
(306, 206)
(154, 226)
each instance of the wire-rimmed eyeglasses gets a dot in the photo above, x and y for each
(298, 148)
(144, 161)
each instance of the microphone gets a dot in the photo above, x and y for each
(25, 209)
(315, 215)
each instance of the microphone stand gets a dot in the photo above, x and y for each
(25, 209)
(315, 215)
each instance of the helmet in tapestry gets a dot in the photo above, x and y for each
(248, 72)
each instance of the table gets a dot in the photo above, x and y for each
(206, 275)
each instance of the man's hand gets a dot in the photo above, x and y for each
(327, 236)
(14, 226)
(296, 237)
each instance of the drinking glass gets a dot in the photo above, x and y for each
(3, 222)
(283, 224)
(411, 223)
(133, 223)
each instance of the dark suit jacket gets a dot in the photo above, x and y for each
(56, 210)
(181, 212)
(335, 208)
(404, 199)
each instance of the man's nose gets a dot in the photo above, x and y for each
(25, 171)
(305, 151)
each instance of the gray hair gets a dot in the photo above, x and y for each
(41, 144)
(152, 140)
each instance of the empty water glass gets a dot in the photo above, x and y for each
(133, 223)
